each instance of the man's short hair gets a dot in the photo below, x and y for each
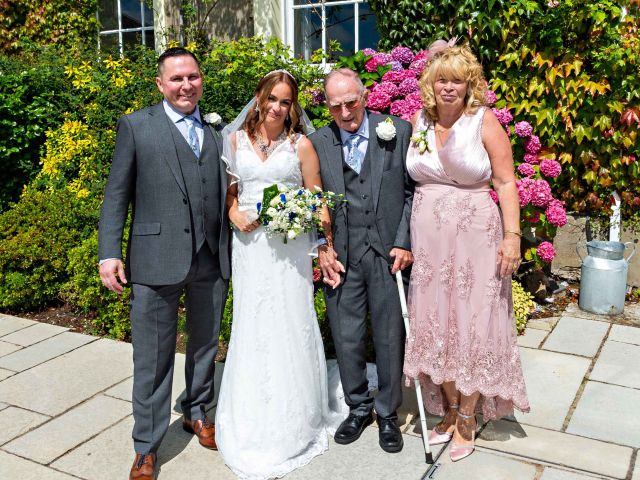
(175, 52)
(345, 73)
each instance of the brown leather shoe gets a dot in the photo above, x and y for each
(204, 430)
(144, 467)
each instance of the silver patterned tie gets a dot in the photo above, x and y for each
(192, 135)
(353, 154)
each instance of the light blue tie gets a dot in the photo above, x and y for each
(353, 154)
(194, 143)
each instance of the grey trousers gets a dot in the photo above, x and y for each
(154, 317)
(368, 287)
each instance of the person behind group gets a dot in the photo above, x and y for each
(462, 344)
(273, 410)
(362, 156)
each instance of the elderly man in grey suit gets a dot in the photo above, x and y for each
(362, 156)
(167, 166)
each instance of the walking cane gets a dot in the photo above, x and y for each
(423, 421)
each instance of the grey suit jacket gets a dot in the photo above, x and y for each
(146, 173)
(392, 187)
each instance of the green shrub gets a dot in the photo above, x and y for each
(522, 306)
(36, 236)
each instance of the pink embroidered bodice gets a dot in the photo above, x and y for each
(462, 160)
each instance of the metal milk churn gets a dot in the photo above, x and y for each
(603, 278)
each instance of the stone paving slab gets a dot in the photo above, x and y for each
(7, 348)
(16, 421)
(573, 310)
(636, 470)
(557, 448)
(12, 467)
(69, 379)
(3, 406)
(556, 474)
(6, 373)
(577, 336)
(53, 439)
(609, 413)
(618, 363)
(33, 334)
(46, 350)
(548, 373)
(123, 389)
(622, 333)
(481, 465)
(543, 323)
(532, 338)
(10, 324)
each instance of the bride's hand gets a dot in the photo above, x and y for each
(244, 221)
(330, 266)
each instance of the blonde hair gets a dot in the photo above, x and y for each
(454, 63)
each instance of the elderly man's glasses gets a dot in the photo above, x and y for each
(350, 104)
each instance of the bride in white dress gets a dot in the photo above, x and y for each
(273, 410)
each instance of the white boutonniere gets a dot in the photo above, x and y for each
(386, 130)
(420, 142)
(212, 118)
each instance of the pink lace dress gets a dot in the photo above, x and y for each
(461, 313)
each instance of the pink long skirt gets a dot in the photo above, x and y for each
(460, 310)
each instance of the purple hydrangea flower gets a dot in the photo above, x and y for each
(418, 65)
(494, 195)
(526, 170)
(546, 252)
(524, 194)
(317, 96)
(531, 158)
(398, 76)
(376, 61)
(408, 86)
(503, 115)
(490, 97)
(387, 87)
(540, 193)
(379, 101)
(415, 97)
(533, 145)
(523, 129)
(556, 213)
(369, 52)
(396, 66)
(402, 55)
(550, 168)
(405, 108)
(422, 55)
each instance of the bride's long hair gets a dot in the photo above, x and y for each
(254, 119)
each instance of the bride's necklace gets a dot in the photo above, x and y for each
(269, 149)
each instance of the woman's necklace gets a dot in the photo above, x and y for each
(269, 149)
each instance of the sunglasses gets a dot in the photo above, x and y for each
(350, 104)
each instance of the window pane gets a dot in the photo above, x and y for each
(150, 39)
(131, 39)
(108, 14)
(148, 16)
(340, 27)
(131, 17)
(308, 31)
(368, 34)
(109, 42)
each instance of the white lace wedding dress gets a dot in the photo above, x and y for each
(273, 413)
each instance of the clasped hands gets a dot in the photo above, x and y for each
(332, 268)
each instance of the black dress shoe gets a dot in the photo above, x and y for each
(390, 435)
(351, 429)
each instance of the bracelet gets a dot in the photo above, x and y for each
(514, 232)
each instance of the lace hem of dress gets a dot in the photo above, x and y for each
(318, 446)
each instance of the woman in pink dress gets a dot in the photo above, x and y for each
(463, 342)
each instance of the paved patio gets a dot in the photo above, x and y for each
(65, 412)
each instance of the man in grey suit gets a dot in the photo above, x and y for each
(166, 165)
(362, 156)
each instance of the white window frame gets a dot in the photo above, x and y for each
(289, 23)
(143, 29)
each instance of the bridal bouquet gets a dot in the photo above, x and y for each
(291, 211)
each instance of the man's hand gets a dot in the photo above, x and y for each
(402, 259)
(330, 266)
(108, 271)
